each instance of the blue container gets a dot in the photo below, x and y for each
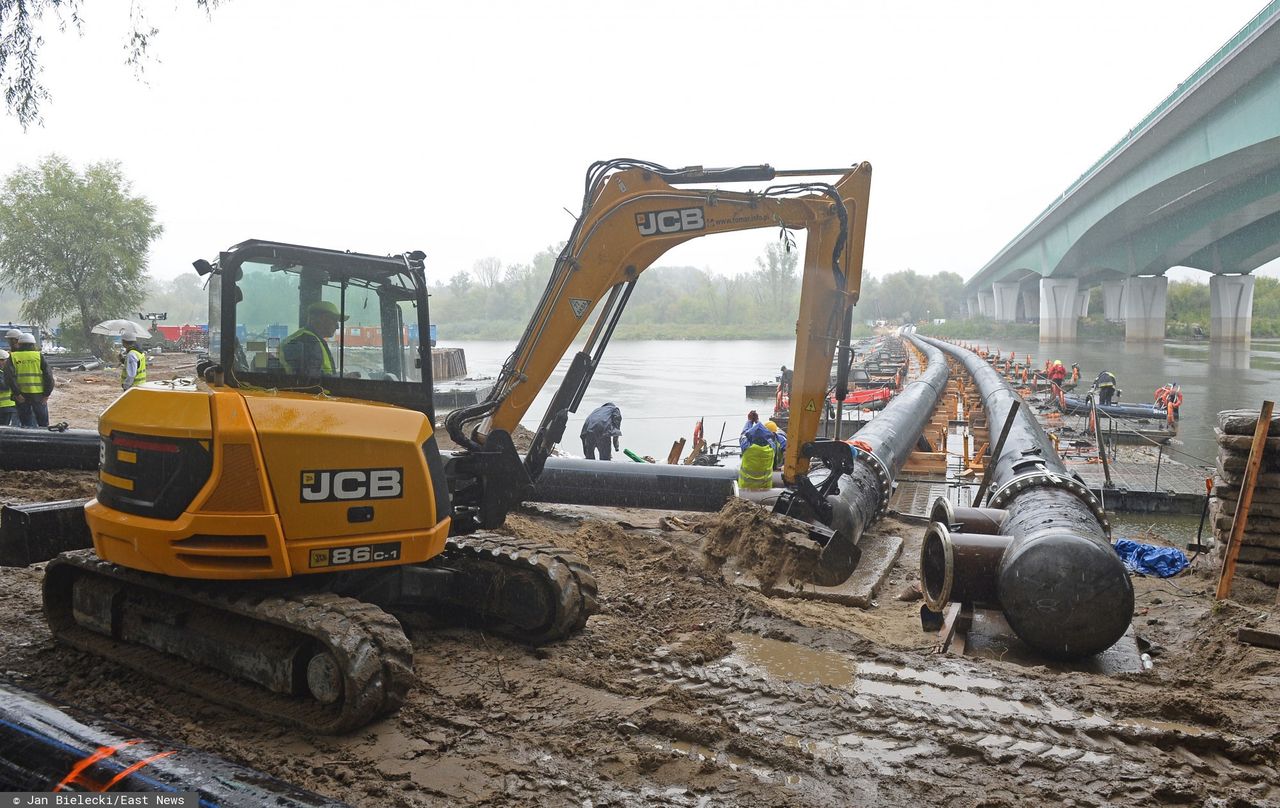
(277, 331)
(242, 332)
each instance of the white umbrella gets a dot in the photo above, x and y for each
(120, 328)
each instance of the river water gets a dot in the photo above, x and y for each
(1213, 377)
(663, 387)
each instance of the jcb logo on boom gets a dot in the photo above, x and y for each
(663, 222)
(329, 485)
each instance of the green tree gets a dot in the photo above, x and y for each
(21, 23)
(74, 246)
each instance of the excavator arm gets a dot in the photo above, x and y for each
(634, 212)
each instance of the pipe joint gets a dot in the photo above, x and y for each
(883, 478)
(1001, 497)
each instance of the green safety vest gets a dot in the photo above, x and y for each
(756, 469)
(6, 396)
(26, 366)
(326, 360)
(141, 376)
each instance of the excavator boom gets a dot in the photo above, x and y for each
(632, 214)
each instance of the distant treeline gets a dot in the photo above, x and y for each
(492, 302)
(495, 302)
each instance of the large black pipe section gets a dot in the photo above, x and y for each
(31, 449)
(1060, 584)
(863, 494)
(635, 485)
(572, 481)
(45, 749)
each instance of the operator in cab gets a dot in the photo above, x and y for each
(305, 352)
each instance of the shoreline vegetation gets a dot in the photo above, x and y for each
(494, 302)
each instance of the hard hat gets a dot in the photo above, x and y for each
(3, 354)
(771, 426)
(12, 333)
(324, 307)
(1057, 361)
(26, 339)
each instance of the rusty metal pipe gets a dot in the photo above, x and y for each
(960, 567)
(1060, 584)
(966, 520)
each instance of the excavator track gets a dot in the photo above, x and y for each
(529, 591)
(315, 660)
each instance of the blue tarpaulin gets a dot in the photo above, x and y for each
(1148, 559)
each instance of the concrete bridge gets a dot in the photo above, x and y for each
(1196, 184)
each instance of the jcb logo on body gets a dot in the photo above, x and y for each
(663, 222)
(331, 485)
(359, 554)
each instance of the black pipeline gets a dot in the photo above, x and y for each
(1049, 566)
(46, 749)
(28, 449)
(864, 479)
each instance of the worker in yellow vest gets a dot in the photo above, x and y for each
(306, 352)
(8, 409)
(133, 369)
(29, 379)
(755, 468)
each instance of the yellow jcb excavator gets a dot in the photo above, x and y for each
(253, 537)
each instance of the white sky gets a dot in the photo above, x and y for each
(465, 129)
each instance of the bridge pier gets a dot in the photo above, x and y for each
(1230, 307)
(1144, 305)
(1113, 301)
(1006, 295)
(1083, 296)
(1059, 309)
(1031, 302)
(987, 304)
(973, 306)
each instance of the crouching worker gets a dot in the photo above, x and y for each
(755, 472)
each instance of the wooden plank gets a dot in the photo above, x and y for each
(1264, 639)
(945, 634)
(1228, 571)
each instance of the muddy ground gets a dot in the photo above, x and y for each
(688, 690)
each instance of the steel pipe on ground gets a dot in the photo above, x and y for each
(31, 449)
(635, 485)
(1060, 584)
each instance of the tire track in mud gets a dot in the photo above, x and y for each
(898, 723)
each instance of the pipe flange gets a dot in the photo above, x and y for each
(883, 477)
(1002, 497)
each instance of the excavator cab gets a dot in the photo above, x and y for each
(289, 317)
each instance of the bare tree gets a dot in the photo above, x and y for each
(488, 271)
